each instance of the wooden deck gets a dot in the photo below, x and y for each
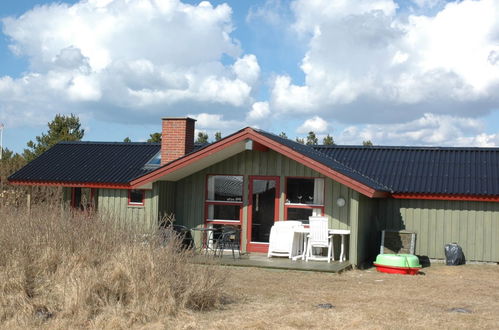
(260, 260)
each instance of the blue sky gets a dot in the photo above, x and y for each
(413, 72)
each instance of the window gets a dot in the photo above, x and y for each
(154, 162)
(83, 198)
(304, 198)
(224, 198)
(136, 197)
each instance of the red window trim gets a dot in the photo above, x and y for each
(134, 203)
(214, 202)
(224, 222)
(302, 206)
(261, 246)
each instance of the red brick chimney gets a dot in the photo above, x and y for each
(177, 138)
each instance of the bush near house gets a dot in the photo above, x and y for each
(63, 269)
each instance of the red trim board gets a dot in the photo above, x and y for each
(72, 184)
(255, 246)
(447, 197)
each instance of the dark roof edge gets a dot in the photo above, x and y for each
(110, 143)
(388, 189)
(344, 146)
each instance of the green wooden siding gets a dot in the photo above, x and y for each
(114, 203)
(368, 229)
(66, 195)
(473, 225)
(190, 191)
(166, 197)
(353, 251)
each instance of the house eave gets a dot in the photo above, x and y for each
(193, 162)
(447, 197)
(70, 184)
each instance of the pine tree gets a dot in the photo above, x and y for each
(312, 139)
(367, 143)
(328, 140)
(62, 128)
(127, 139)
(202, 137)
(218, 136)
(300, 140)
(154, 137)
(283, 135)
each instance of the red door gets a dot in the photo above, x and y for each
(263, 211)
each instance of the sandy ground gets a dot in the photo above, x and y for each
(278, 299)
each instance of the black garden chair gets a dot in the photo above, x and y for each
(229, 239)
(182, 233)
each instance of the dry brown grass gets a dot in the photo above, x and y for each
(59, 270)
(64, 270)
(276, 299)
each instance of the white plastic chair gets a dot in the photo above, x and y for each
(281, 238)
(319, 238)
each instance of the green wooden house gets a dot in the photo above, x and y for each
(253, 178)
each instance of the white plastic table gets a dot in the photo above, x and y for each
(300, 242)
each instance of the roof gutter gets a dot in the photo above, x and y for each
(70, 184)
(446, 197)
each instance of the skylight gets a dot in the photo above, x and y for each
(154, 161)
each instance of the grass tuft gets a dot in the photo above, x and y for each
(65, 269)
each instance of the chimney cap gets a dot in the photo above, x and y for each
(178, 118)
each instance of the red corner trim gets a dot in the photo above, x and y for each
(448, 197)
(264, 141)
(70, 184)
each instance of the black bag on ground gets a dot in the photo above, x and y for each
(454, 255)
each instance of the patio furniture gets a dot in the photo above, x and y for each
(343, 233)
(184, 235)
(169, 232)
(281, 238)
(319, 238)
(299, 250)
(229, 240)
(300, 242)
(208, 241)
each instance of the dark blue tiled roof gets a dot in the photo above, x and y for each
(425, 170)
(330, 162)
(95, 162)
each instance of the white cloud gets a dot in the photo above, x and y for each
(427, 3)
(430, 129)
(247, 69)
(259, 111)
(311, 15)
(366, 64)
(270, 12)
(315, 124)
(215, 122)
(126, 60)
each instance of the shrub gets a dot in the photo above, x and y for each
(65, 269)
